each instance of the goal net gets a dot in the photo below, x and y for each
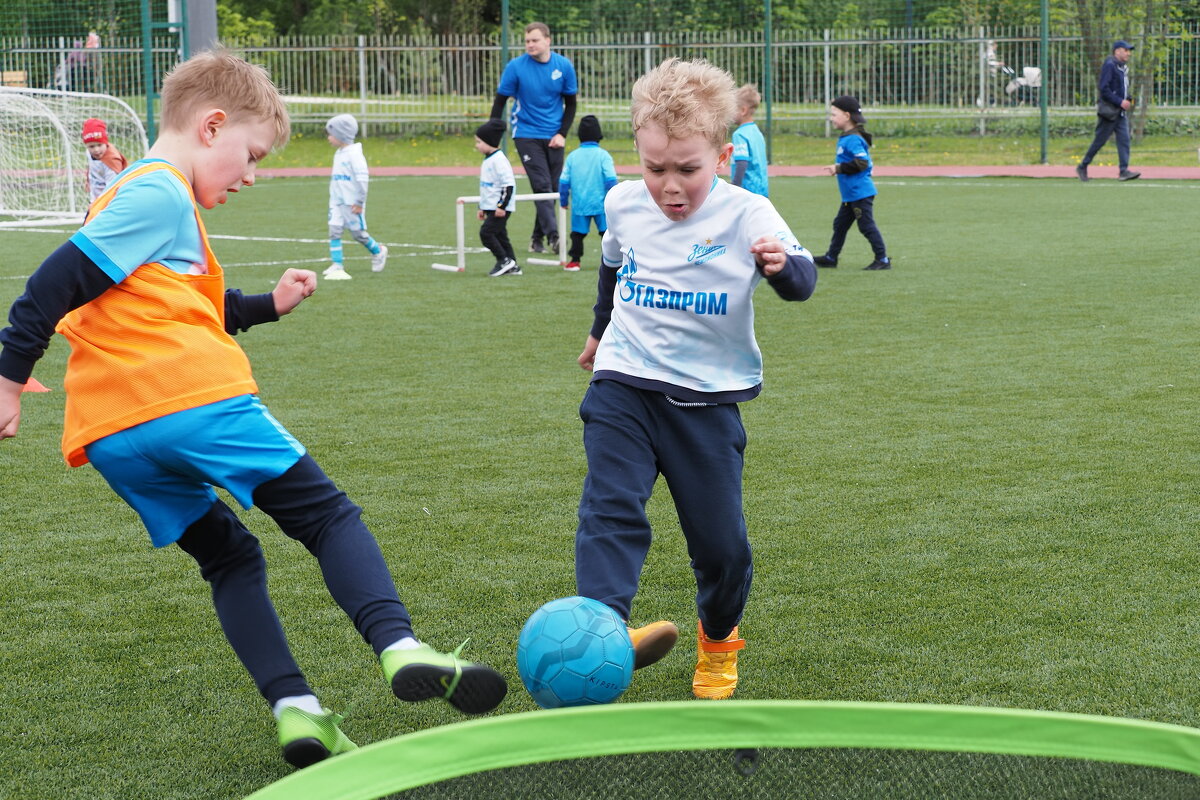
(43, 162)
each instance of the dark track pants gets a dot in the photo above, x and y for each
(631, 436)
(309, 508)
(863, 212)
(543, 165)
(1104, 129)
(493, 234)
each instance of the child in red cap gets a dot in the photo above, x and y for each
(104, 160)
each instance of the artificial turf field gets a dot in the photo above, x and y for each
(970, 480)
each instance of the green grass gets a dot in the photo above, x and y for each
(309, 150)
(969, 480)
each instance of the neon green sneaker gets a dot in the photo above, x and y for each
(307, 738)
(423, 673)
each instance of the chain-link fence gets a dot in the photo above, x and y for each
(966, 80)
(956, 81)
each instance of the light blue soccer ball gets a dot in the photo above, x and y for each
(575, 652)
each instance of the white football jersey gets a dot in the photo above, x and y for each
(682, 309)
(348, 182)
(495, 174)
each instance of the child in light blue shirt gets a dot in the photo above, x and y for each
(588, 175)
(748, 168)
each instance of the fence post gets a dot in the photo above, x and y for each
(648, 58)
(828, 82)
(983, 87)
(362, 82)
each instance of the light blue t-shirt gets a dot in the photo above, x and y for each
(587, 175)
(537, 90)
(151, 220)
(750, 146)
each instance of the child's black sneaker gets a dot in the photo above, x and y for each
(877, 264)
(825, 261)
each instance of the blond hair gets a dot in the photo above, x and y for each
(219, 79)
(686, 98)
(748, 96)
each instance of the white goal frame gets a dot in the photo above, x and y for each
(43, 173)
(460, 204)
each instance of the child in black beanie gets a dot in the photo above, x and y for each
(590, 173)
(853, 169)
(496, 187)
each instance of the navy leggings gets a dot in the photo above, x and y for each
(863, 212)
(309, 508)
(631, 436)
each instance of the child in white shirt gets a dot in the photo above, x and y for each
(348, 198)
(497, 184)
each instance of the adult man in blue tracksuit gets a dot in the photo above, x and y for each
(543, 86)
(1114, 91)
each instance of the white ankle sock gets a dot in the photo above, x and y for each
(407, 643)
(304, 702)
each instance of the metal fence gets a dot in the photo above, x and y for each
(446, 83)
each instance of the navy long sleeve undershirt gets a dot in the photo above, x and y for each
(69, 279)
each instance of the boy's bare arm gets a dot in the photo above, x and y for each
(587, 358)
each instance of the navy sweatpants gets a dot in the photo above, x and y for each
(863, 212)
(309, 508)
(631, 436)
(1105, 128)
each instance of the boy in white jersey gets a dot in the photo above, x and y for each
(672, 352)
(348, 198)
(496, 204)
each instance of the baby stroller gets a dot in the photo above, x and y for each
(1023, 90)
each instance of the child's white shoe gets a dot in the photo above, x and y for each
(337, 273)
(379, 259)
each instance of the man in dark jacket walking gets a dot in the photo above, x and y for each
(1111, 112)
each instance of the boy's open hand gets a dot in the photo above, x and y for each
(770, 254)
(10, 408)
(293, 287)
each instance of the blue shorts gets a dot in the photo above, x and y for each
(165, 469)
(580, 222)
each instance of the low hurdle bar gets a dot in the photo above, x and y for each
(460, 222)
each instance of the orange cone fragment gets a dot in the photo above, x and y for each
(34, 385)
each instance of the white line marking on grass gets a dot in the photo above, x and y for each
(287, 239)
(300, 261)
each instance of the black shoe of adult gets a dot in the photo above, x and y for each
(1081, 171)
(877, 264)
(552, 244)
(825, 261)
(1129, 175)
(535, 246)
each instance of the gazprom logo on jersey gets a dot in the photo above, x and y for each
(705, 252)
(641, 295)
